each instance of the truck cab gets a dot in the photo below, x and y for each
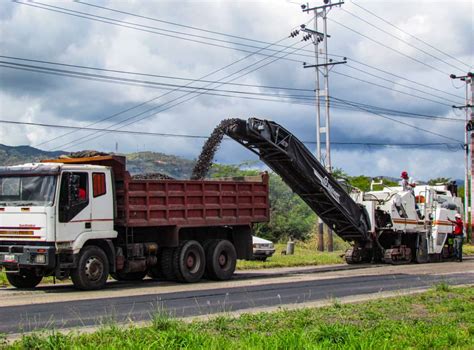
(48, 211)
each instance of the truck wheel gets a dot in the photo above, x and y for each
(129, 276)
(92, 269)
(221, 259)
(25, 279)
(189, 262)
(166, 264)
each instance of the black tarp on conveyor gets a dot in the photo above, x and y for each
(289, 158)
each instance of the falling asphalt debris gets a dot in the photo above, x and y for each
(209, 149)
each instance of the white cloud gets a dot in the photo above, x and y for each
(34, 33)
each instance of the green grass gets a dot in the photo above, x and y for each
(468, 249)
(3, 279)
(305, 255)
(442, 318)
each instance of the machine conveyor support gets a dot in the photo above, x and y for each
(308, 178)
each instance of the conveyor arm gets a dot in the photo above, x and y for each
(300, 170)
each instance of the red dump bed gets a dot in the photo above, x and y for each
(193, 203)
(184, 203)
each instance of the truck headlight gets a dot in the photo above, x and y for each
(40, 259)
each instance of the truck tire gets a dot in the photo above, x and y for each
(221, 259)
(25, 279)
(189, 262)
(129, 276)
(92, 269)
(166, 264)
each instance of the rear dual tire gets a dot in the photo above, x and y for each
(221, 259)
(190, 261)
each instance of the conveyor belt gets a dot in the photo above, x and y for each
(300, 170)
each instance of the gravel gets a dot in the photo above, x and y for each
(210, 148)
(152, 176)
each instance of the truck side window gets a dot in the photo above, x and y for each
(98, 184)
(74, 195)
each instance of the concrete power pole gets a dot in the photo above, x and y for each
(318, 37)
(469, 152)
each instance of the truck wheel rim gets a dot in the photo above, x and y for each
(94, 269)
(190, 261)
(222, 259)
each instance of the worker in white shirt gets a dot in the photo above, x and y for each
(407, 183)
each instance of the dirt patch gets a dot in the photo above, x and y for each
(210, 148)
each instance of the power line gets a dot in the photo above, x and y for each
(148, 133)
(152, 75)
(401, 77)
(400, 39)
(206, 81)
(143, 28)
(88, 16)
(396, 83)
(390, 48)
(190, 93)
(155, 98)
(406, 124)
(411, 35)
(392, 89)
(208, 91)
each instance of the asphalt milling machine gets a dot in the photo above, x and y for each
(390, 225)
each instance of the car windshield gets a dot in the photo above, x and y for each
(37, 190)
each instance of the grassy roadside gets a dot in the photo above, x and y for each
(442, 318)
(305, 255)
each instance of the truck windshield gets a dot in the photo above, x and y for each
(25, 191)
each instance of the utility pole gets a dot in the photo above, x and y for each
(469, 152)
(318, 37)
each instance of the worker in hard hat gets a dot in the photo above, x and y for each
(458, 235)
(407, 183)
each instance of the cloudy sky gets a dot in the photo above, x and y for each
(246, 43)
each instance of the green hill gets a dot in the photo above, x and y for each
(137, 163)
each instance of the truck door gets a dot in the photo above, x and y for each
(102, 201)
(74, 207)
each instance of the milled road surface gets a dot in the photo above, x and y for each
(54, 307)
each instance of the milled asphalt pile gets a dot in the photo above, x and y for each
(209, 149)
(152, 176)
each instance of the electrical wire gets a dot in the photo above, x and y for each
(399, 39)
(187, 94)
(406, 124)
(143, 28)
(148, 133)
(208, 91)
(410, 35)
(233, 48)
(390, 48)
(389, 88)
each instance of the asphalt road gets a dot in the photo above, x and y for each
(18, 312)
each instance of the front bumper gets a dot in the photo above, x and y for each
(261, 252)
(27, 256)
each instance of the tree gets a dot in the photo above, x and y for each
(439, 180)
(289, 214)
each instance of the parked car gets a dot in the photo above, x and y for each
(262, 248)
